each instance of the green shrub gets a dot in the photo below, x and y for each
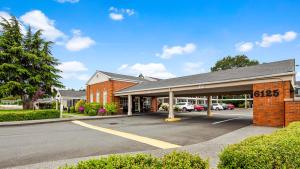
(176, 108)
(19, 115)
(95, 106)
(92, 112)
(87, 108)
(79, 104)
(165, 106)
(179, 160)
(111, 108)
(175, 160)
(72, 109)
(280, 149)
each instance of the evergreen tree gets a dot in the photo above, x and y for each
(27, 68)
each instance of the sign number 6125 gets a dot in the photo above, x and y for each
(266, 93)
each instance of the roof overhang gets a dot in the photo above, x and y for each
(289, 76)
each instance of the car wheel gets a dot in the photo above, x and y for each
(184, 109)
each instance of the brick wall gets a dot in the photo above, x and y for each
(292, 111)
(269, 111)
(154, 104)
(111, 87)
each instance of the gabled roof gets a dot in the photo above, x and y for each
(72, 93)
(266, 69)
(116, 76)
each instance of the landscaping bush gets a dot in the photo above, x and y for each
(179, 160)
(280, 149)
(79, 104)
(182, 160)
(91, 106)
(92, 112)
(111, 108)
(176, 108)
(19, 115)
(164, 106)
(72, 109)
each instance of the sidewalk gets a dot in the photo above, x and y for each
(208, 149)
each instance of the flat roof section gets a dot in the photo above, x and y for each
(279, 68)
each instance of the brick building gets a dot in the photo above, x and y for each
(101, 88)
(272, 86)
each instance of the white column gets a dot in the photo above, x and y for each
(209, 106)
(61, 108)
(56, 104)
(139, 104)
(171, 112)
(129, 105)
(246, 106)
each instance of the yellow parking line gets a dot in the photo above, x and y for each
(149, 141)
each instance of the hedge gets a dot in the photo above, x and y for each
(19, 115)
(174, 160)
(280, 149)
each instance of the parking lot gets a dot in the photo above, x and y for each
(30, 144)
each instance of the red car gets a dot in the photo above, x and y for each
(230, 107)
(199, 108)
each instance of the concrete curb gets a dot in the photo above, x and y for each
(33, 122)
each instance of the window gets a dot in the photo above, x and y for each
(123, 101)
(104, 97)
(91, 98)
(98, 97)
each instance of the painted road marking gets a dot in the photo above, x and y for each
(225, 114)
(218, 122)
(149, 141)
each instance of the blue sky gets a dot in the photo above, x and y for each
(159, 38)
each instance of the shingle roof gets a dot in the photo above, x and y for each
(72, 93)
(298, 83)
(285, 66)
(120, 76)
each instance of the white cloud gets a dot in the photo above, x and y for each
(70, 1)
(193, 67)
(119, 14)
(116, 16)
(157, 70)
(73, 70)
(78, 42)
(268, 40)
(169, 52)
(244, 46)
(4, 15)
(7, 16)
(38, 20)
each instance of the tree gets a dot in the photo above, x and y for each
(233, 62)
(27, 68)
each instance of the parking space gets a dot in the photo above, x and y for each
(47, 142)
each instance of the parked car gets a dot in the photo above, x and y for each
(199, 108)
(230, 106)
(185, 106)
(205, 106)
(224, 105)
(217, 106)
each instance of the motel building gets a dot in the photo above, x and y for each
(270, 86)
